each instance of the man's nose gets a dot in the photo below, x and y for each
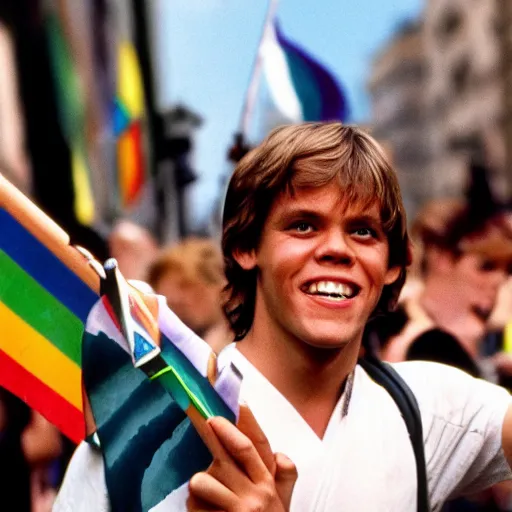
(335, 247)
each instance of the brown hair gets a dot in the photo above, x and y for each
(297, 156)
(197, 259)
(450, 225)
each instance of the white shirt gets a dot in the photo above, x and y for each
(365, 460)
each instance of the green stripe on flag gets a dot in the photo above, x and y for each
(305, 86)
(38, 308)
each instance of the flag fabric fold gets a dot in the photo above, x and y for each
(149, 445)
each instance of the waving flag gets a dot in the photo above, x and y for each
(128, 118)
(46, 292)
(70, 99)
(301, 87)
(151, 383)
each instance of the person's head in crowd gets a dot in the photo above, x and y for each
(134, 247)
(190, 274)
(356, 203)
(466, 254)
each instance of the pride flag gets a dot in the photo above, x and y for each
(72, 114)
(46, 292)
(301, 87)
(128, 118)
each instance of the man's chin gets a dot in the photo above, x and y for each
(327, 342)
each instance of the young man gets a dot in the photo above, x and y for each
(315, 243)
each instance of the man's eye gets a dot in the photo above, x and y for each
(488, 266)
(303, 227)
(365, 232)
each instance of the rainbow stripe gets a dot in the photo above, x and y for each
(46, 292)
(127, 120)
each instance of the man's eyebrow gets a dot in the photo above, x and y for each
(364, 217)
(301, 212)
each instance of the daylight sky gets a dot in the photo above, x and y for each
(205, 51)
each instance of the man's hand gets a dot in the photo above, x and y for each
(245, 475)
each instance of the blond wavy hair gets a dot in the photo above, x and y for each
(194, 258)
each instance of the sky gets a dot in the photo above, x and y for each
(205, 50)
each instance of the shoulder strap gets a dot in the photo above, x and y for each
(386, 376)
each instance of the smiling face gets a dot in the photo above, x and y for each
(322, 265)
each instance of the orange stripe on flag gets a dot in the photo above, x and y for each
(130, 162)
(40, 357)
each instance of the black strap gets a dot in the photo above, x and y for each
(385, 375)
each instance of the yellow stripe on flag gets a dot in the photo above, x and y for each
(129, 86)
(38, 356)
(84, 202)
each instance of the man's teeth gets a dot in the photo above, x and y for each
(331, 289)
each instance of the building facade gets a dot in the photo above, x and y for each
(441, 94)
(397, 91)
(464, 90)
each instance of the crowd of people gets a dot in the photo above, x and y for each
(314, 272)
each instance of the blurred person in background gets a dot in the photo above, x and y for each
(190, 275)
(465, 262)
(33, 457)
(47, 453)
(14, 468)
(466, 259)
(134, 247)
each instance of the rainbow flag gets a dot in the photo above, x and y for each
(46, 291)
(72, 114)
(127, 119)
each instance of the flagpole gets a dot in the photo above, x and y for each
(252, 90)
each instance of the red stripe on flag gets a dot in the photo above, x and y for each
(137, 178)
(110, 311)
(66, 417)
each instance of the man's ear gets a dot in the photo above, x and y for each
(246, 259)
(392, 274)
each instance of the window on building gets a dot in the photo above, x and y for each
(449, 24)
(498, 25)
(461, 75)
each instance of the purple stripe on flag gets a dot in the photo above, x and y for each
(334, 104)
